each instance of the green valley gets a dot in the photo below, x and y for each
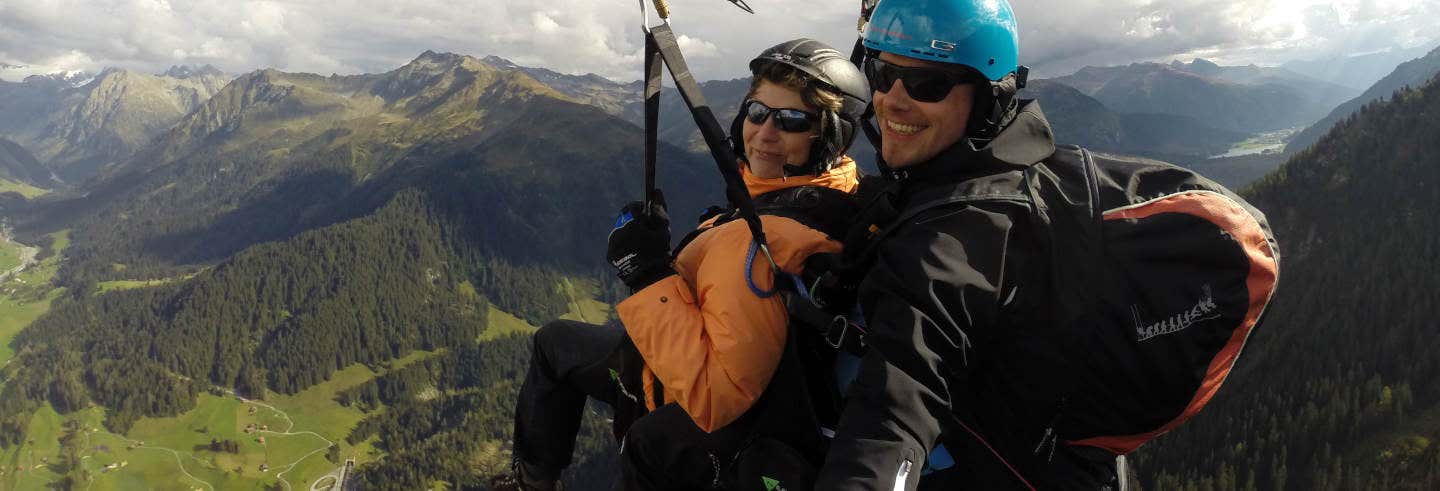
(26, 190)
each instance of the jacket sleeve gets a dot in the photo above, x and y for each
(934, 287)
(712, 342)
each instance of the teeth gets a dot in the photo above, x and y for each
(904, 129)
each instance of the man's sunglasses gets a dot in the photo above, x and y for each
(923, 84)
(788, 120)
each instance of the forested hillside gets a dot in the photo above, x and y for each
(18, 165)
(1337, 390)
(460, 404)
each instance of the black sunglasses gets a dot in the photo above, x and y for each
(788, 120)
(923, 84)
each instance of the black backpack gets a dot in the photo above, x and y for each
(1160, 278)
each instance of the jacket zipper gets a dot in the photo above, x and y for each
(901, 475)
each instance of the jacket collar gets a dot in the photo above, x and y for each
(1027, 140)
(842, 177)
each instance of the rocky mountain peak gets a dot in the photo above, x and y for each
(1203, 66)
(432, 62)
(499, 62)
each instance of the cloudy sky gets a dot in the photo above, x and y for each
(602, 36)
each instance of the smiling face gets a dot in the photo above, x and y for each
(913, 131)
(767, 147)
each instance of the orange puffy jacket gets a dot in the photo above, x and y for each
(712, 343)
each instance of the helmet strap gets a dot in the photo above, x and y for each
(737, 140)
(994, 108)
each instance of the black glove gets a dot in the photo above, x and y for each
(639, 246)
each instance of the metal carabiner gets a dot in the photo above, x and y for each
(844, 325)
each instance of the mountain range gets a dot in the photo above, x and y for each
(276, 153)
(1080, 119)
(1356, 71)
(77, 124)
(1412, 73)
(1248, 99)
(58, 120)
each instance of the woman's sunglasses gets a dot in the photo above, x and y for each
(788, 120)
(923, 84)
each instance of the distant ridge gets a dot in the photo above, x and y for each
(1247, 99)
(1412, 73)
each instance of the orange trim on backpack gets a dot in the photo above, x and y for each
(1260, 282)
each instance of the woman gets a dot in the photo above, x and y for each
(700, 331)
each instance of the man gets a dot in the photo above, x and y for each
(962, 352)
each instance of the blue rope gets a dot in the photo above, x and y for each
(750, 270)
(799, 285)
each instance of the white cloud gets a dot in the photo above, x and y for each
(603, 36)
(697, 48)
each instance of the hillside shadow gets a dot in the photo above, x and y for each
(291, 205)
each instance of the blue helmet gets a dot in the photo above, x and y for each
(980, 34)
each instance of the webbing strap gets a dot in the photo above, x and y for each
(662, 41)
(652, 115)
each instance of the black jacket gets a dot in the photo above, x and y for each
(962, 351)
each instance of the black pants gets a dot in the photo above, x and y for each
(663, 449)
(571, 361)
(777, 443)
(666, 450)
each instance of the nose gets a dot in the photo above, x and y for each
(768, 131)
(896, 99)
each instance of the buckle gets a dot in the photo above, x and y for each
(837, 325)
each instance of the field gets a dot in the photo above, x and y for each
(583, 306)
(1268, 142)
(26, 190)
(9, 255)
(27, 296)
(106, 286)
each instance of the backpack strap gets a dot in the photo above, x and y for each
(1067, 217)
(881, 216)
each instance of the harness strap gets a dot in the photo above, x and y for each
(653, 64)
(662, 42)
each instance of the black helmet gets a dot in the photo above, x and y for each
(832, 69)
